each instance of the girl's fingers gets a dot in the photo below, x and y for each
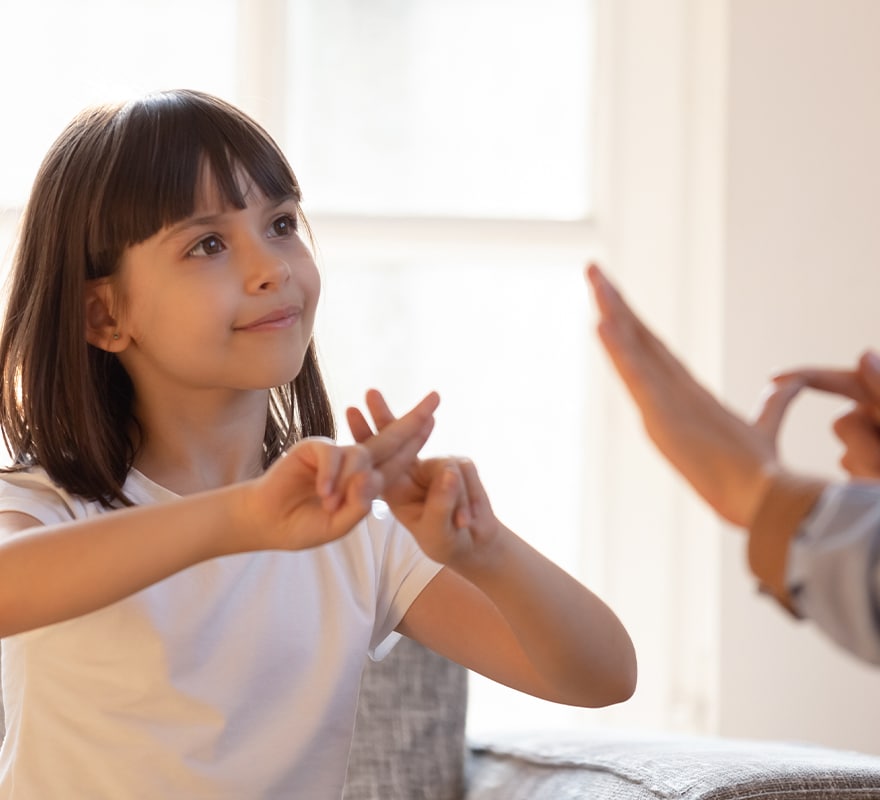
(462, 514)
(410, 432)
(329, 461)
(403, 451)
(356, 501)
(379, 410)
(478, 499)
(358, 425)
(343, 466)
(443, 503)
(325, 458)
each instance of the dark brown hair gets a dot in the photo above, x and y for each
(116, 176)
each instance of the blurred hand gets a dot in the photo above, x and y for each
(727, 460)
(858, 429)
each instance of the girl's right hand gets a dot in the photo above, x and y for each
(318, 491)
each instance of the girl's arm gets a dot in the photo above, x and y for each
(500, 607)
(522, 621)
(314, 494)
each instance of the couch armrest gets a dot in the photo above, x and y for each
(626, 765)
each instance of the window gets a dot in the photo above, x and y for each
(59, 57)
(469, 108)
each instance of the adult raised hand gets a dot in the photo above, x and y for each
(727, 460)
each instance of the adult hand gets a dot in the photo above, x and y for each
(858, 428)
(727, 460)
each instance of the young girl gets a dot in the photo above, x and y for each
(191, 575)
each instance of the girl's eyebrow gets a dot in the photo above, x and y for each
(208, 220)
(192, 222)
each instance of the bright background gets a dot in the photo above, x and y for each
(460, 163)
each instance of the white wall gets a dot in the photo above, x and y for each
(662, 225)
(801, 266)
(743, 180)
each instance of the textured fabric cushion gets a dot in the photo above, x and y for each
(615, 765)
(409, 735)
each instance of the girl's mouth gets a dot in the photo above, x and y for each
(276, 320)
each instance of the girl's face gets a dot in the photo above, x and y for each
(223, 299)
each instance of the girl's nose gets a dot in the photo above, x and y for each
(267, 270)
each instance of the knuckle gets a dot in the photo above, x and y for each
(360, 453)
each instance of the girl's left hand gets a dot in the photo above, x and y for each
(441, 501)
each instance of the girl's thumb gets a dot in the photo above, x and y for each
(444, 498)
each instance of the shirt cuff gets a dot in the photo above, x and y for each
(780, 514)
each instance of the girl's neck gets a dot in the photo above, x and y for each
(195, 447)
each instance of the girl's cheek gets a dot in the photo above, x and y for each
(311, 281)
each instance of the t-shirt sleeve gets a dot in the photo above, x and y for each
(404, 571)
(834, 568)
(35, 495)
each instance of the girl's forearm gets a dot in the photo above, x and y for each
(575, 642)
(51, 574)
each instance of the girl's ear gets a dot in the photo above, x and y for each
(102, 329)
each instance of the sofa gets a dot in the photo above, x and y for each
(411, 744)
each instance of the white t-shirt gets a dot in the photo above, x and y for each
(236, 678)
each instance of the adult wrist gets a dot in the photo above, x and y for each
(785, 503)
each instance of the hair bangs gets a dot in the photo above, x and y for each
(162, 145)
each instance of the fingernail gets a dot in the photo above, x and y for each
(873, 360)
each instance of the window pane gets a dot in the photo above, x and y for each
(471, 108)
(58, 56)
(504, 343)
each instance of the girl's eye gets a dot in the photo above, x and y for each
(209, 246)
(285, 225)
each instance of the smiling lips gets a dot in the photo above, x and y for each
(277, 320)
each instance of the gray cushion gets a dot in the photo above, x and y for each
(627, 765)
(409, 736)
